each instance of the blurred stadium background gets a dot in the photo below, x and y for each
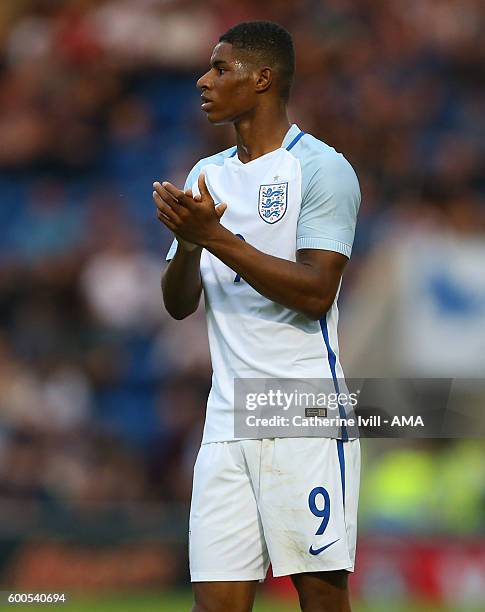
(102, 395)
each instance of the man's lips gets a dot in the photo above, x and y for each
(206, 103)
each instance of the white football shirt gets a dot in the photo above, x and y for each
(303, 195)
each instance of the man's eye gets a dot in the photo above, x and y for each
(221, 70)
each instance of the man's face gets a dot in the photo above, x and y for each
(228, 91)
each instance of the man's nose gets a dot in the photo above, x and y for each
(203, 82)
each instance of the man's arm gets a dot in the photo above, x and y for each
(308, 285)
(181, 280)
(181, 283)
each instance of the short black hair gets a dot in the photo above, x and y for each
(272, 43)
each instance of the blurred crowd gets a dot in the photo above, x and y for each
(101, 394)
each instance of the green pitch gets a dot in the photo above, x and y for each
(182, 602)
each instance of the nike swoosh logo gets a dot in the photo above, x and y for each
(317, 551)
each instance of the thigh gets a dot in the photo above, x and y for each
(224, 596)
(323, 591)
(308, 503)
(226, 541)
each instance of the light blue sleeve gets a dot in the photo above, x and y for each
(193, 175)
(330, 202)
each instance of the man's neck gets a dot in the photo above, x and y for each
(260, 134)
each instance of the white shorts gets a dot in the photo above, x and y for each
(291, 501)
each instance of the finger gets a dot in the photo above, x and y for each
(190, 194)
(163, 202)
(180, 196)
(164, 208)
(202, 186)
(220, 210)
(168, 197)
(174, 192)
(166, 221)
(162, 216)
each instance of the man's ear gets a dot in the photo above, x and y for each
(264, 80)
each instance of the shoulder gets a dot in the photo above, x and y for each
(217, 159)
(322, 163)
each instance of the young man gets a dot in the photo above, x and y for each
(265, 229)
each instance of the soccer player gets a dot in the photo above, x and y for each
(264, 229)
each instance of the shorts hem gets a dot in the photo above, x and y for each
(330, 567)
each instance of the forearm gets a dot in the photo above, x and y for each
(292, 284)
(181, 283)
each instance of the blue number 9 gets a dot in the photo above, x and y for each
(324, 513)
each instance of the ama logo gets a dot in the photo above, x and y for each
(273, 201)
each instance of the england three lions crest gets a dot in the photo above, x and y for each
(273, 201)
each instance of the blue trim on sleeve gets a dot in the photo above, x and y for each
(332, 360)
(295, 140)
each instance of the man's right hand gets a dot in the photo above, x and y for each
(176, 209)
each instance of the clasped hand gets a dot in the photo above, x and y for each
(193, 219)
